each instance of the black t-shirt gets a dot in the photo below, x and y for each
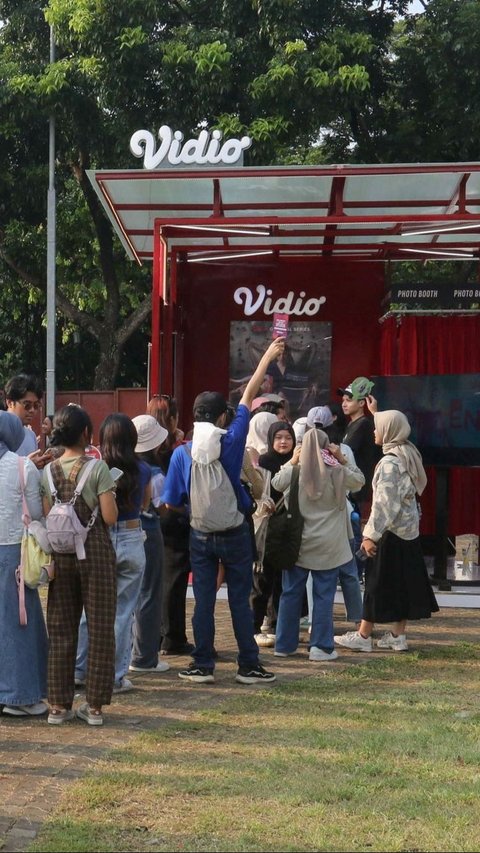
(360, 438)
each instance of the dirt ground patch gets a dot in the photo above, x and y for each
(38, 761)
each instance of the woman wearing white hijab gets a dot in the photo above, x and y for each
(263, 583)
(325, 477)
(397, 587)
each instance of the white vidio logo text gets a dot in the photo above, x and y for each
(201, 151)
(290, 304)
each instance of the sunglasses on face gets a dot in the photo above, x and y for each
(28, 405)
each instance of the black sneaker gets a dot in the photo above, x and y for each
(254, 675)
(196, 673)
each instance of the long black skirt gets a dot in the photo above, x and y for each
(397, 586)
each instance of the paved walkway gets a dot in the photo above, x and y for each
(38, 761)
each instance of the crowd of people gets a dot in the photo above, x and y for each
(160, 508)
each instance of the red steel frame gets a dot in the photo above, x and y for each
(325, 229)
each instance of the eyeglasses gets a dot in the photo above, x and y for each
(163, 397)
(28, 405)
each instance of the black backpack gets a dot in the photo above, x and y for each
(285, 528)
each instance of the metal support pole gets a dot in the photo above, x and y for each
(158, 297)
(441, 529)
(51, 254)
(149, 363)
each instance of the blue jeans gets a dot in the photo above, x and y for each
(351, 589)
(234, 549)
(357, 541)
(148, 612)
(23, 661)
(130, 553)
(324, 585)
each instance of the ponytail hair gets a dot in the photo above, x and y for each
(69, 424)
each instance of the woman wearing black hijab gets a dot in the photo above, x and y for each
(267, 577)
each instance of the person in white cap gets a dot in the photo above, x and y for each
(148, 612)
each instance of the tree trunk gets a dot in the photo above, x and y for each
(108, 364)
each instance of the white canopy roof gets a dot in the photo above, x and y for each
(409, 211)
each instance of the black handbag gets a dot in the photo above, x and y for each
(285, 528)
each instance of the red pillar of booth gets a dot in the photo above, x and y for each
(157, 291)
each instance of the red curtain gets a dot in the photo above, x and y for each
(438, 345)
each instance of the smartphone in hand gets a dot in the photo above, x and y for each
(116, 474)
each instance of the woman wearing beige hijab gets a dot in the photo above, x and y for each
(325, 477)
(397, 587)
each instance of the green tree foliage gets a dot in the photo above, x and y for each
(435, 102)
(309, 80)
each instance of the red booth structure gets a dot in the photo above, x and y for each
(233, 246)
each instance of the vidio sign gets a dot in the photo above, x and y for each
(290, 304)
(206, 150)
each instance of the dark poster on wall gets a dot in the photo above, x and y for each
(302, 376)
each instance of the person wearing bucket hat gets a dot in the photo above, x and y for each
(148, 612)
(150, 433)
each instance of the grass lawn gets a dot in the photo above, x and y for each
(380, 755)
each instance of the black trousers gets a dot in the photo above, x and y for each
(176, 569)
(266, 591)
(265, 597)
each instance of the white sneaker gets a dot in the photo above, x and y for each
(124, 686)
(264, 640)
(317, 654)
(160, 667)
(26, 710)
(354, 640)
(397, 644)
